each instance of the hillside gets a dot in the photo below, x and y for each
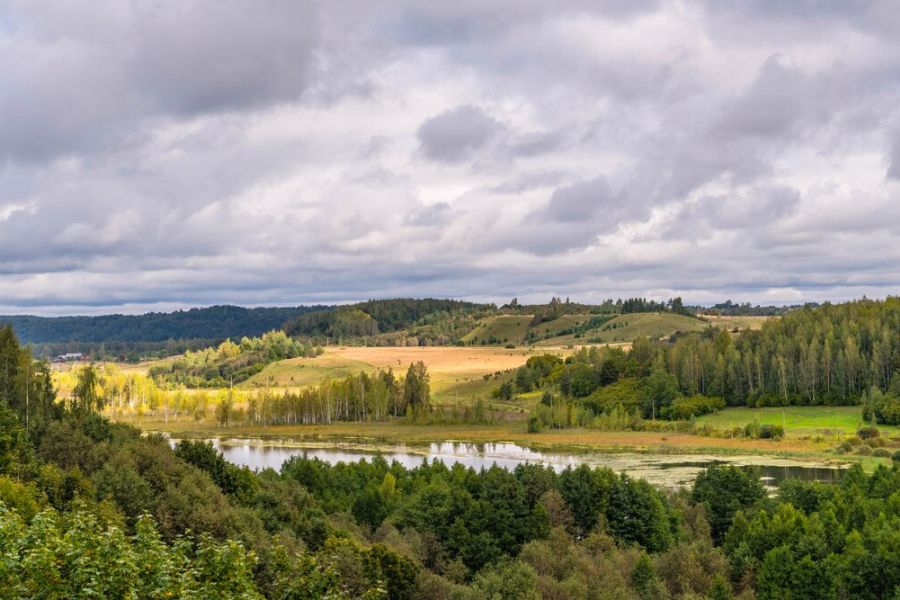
(625, 328)
(212, 323)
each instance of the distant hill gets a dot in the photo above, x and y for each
(212, 323)
(389, 322)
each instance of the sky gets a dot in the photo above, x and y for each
(158, 154)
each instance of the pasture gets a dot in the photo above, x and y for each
(737, 322)
(625, 328)
(797, 420)
(457, 372)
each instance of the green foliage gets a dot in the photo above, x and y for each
(508, 581)
(692, 406)
(230, 363)
(231, 479)
(723, 490)
(843, 543)
(373, 316)
(74, 556)
(416, 387)
(883, 407)
(767, 431)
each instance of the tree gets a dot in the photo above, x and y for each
(724, 490)
(416, 388)
(661, 388)
(86, 396)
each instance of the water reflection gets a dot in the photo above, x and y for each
(662, 470)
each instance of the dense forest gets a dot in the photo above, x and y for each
(213, 323)
(92, 509)
(376, 316)
(834, 354)
(746, 309)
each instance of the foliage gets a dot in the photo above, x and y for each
(230, 363)
(687, 407)
(214, 322)
(74, 556)
(723, 491)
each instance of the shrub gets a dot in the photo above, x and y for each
(868, 433)
(864, 450)
(692, 406)
(771, 432)
(763, 432)
(881, 452)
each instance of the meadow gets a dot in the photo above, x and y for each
(797, 421)
(458, 373)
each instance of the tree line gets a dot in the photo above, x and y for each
(834, 354)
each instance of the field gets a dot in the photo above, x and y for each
(738, 322)
(457, 372)
(500, 329)
(625, 328)
(797, 420)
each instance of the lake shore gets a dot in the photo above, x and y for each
(573, 441)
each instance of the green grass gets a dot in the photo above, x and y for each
(797, 420)
(625, 328)
(506, 328)
(302, 372)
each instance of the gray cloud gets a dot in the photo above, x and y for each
(284, 152)
(456, 134)
(894, 157)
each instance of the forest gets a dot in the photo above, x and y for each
(90, 508)
(830, 355)
(212, 323)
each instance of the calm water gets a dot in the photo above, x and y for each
(662, 470)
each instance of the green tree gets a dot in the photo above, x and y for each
(86, 396)
(723, 490)
(416, 386)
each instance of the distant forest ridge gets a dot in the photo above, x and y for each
(214, 322)
(198, 326)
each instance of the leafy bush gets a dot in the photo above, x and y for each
(763, 432)
(866, 433)
(692, 406)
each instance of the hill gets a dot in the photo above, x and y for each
(625, 328)
(212, 323)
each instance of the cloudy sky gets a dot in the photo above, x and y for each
(158, 154)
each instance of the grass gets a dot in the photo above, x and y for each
(737, 322)
(506, 328)
(301, 372)
(797, 420)
(625, 328)
(457, 372)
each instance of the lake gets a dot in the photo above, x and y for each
(665, 470)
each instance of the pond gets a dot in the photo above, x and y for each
(663, 470)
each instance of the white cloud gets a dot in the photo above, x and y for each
(298, 152)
